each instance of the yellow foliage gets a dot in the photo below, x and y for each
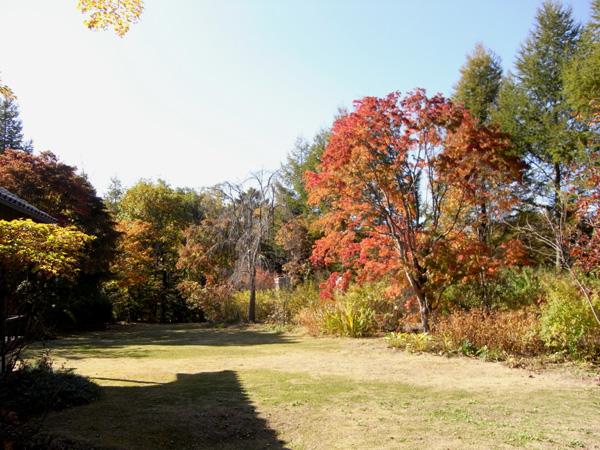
(47, 249)
(6, 92)
(115, 14)
(134, 263)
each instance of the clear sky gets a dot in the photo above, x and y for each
(203, 91)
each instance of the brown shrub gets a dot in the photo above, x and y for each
(514, 332)
(310, 318)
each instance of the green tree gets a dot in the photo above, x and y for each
(291, 187)
(582, 73)
(160, 204)
(113, 196)
(479, 83)
(295, 230)
(478, 89)
(163, 212)
(533, 109)
(594, 24)
(11, 127)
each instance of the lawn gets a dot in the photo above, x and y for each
(191, 387)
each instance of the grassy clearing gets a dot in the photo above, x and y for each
(189, 387)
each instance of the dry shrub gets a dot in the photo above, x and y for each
(513, 332)
(311, 319)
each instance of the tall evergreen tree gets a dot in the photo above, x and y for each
(479, 83)
(477, 89)
(594, 24)
(582, 73)
(294, 217)
(113, 196)
(291, 188)
(11, 127)
(533, 108)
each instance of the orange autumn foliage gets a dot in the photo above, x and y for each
(406, 183)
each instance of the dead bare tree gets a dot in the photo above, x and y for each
(251, 206)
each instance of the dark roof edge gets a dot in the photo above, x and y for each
(10, 200)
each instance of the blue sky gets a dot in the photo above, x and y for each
(203, 91)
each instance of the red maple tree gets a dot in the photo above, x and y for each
(406, 184)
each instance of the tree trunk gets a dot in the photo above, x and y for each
(165, 285)
(558, 212)
(252, 302)
(484, 225)
(424, 310)
(483, 232)
(424, 307)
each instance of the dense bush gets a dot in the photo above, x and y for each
(477, 332)
(349, 317)
(278, 306)
(36, 389)
(494, 333)
(537, 312)
(310, 318)
(361, 311)
(221, 304)
(514, 287)
(214, 303)
(566, 322)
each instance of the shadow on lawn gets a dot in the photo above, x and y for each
(200, 411)
(115, 342)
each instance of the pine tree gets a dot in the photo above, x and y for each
(477, 89)
(533, 108)
(479, 83)
(595, 17)
(305, 156)
(11, 127)
(113, 196)
(582, 73)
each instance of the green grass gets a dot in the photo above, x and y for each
(189, 387)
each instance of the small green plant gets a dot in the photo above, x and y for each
(421, 342)
(467, 348)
